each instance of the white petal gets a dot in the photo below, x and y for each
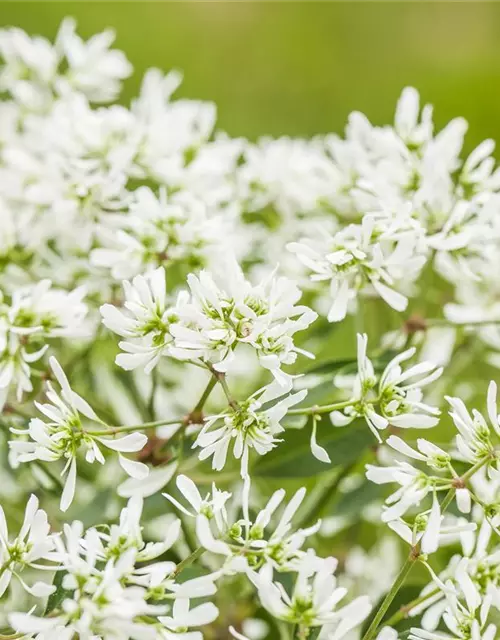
(127, 444)
(69, 487)
(133, 468)
(318, 451)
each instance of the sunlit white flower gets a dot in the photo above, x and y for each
(360, 257)
(64, 435)
(394, 397)
(177, 624)
(206, 510)
(248, 425)
(219, 317)
(314, 599)
(145, 323)
(160, 231)
(33, 547)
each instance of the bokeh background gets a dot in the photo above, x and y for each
(299, 68)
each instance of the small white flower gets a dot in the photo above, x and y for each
(64, 435)
(219, 317)
(206, 510)
(93, 68)
(146, 322)
(248, 425)
(33, 545)
(33, 315)
(466, 612)
(474, 438)
(156, 231)
(183, 617)
(276, 544)
(394, 397)
(361, 257)
(314, 599)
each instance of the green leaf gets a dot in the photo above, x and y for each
(60, 594)
(348, 365)
(353, 502)
(293, 457)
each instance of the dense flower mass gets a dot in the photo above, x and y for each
(292, 314)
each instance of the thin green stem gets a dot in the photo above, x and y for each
(405, 609)
(318, 409)
(197, 553)
(396, 586)
(415, 551)
(110, 431)
(468, 474)
(436, 322)
(227, 392)
(201, 402)
(152, 395)
(448, 499)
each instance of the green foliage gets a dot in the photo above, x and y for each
(60, 594)
(314, 63)
(293, 458)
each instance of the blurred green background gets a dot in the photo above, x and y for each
(300, 68)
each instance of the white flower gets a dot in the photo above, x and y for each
(33, 544)
(128, 534)
(415, 485)
(33, 315)
(292, 175)
(428, 452)
(314, 598)
(276, 544)
(466, 613)
(145, 324)
(248, 425)
(64, 435)
(430, 529)
(361, 256)
(205, 510)
(473, 440)
(160, 231)
(93, 68)
(100, 605)
(35, 71)
(46, 311)
(219, 317)
(183, 617)
(393, 398)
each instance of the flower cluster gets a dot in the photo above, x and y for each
(392, 398)
(29, 317)
(222, 264)
(64, 435)
(206, 324)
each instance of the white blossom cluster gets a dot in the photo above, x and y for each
(226, 267)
